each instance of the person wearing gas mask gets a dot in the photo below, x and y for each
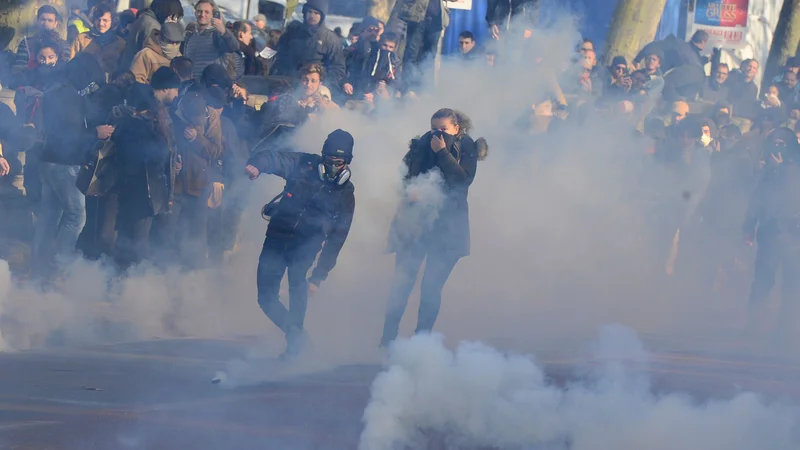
(159, 50)
(432, 225)
(314, 211)
(773, 218)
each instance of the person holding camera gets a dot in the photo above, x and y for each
(432, 220)
(314, 211)
(212, 41)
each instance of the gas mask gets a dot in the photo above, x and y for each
(170, 50)
(332, 172)
(705, 140)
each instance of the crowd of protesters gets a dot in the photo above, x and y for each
(135, 130)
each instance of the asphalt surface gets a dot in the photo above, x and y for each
(158, 395)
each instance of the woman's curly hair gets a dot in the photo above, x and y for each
(462, 120)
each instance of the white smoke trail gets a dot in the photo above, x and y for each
(477, 397)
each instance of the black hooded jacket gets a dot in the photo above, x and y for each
(301, 44)
(71, 110)
(309, 209)
(458, 164)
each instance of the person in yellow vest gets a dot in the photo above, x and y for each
(78, 23)
(101, 40)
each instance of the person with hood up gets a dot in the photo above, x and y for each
(101, 41)
(372, 65)
(47, 20)
(198, 134)
(773, 219)
(159, 50)
(212, 41)
(69, 111)
(432, 223)
(310, 42)
(313, 212)
(159, 13)
(144, 149)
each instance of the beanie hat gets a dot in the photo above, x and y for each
(215, 97)
(339, 144)
(618, 61)
(165, 78)
(319, 5)
(370, 22)
(215, 74)
(140, 97)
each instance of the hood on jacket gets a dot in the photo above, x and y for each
(319, 5)
(153, 42)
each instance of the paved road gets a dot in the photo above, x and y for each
(157, 395)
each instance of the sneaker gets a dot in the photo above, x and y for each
(297, 342)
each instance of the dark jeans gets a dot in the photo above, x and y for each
(407, 263)
(182, 235)
(277, 257)
(133, 241)
(99, 234)
(422, 41)
(61, 218)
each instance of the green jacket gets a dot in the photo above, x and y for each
(414, 11)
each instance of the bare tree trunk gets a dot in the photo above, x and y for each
(633, 25)
(18, 18)
(784, 42)
(380, 9)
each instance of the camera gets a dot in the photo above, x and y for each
(216, 14)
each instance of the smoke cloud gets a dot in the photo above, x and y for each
(563, 239)
(478, 397)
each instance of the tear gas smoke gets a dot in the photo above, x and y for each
(477, 397)
(561, 227)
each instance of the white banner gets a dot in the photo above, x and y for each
(459, 4)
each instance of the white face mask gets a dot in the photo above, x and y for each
(706, 139)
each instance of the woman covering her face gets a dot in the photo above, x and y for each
(432, 220)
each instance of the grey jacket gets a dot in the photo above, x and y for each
(415, 10)
(139, 32)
